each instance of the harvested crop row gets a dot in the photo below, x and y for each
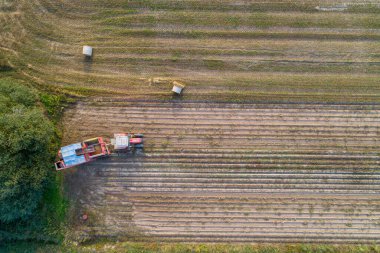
(210, 172)
(229, 51)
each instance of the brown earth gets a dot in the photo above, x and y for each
(222, 172)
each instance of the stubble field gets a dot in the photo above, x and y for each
(224, 50)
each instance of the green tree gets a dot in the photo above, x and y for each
(24, 148)
(25, 156)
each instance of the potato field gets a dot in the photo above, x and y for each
(222, 172)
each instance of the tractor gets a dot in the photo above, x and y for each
(127, 142)
(92, 149)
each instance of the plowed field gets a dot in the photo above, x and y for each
(218, 172)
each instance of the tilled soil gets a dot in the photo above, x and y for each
(222, 172)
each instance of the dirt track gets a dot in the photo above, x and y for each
(221, 172)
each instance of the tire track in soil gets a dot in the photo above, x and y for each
(201, 179)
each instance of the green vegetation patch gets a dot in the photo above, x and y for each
(31, 204)
(195, 248)
(54, 104)
(228, 6)
(256, 19)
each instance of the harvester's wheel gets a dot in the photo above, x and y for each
(138, 136)
(139, 146)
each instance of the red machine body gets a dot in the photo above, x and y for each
(92, 149)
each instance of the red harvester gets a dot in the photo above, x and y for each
(91, 149)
